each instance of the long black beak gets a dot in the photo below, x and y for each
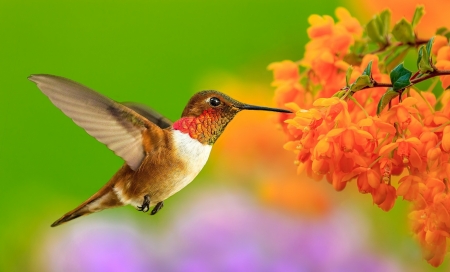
(251, 107)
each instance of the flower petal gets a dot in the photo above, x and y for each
(387, 148)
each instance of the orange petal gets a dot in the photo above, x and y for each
(439, 42)
(335, 132)
(292, 106)
(387, 148)
(414, 158)
(322, 147)
(409, 101)
(402, 114)
(366, 122)
(385, 127)
(414, 141)
(446, 139)
(326, 102)
(364, 134)
(380, 194)
(388, 204)
(405, 184)
(373, 179)
(347, 140)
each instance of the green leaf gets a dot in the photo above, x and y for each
(368, 70)
(385, 99)
(374, 30)
(396, 56)
(424, 58)
(385, 17)
(400, 77)
(353, 59)
(403, 32)
(361, 82)
(358, 47)
(418, 13)
(441, 31)
(430, 45)
(348, 75)
(340, 94)
(420, 55)
(423, 61)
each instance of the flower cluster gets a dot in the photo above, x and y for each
(357, 118)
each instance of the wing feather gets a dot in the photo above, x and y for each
(149, 113)
(112, 123)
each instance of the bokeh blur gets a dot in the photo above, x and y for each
(246, 211)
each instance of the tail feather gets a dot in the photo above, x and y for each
(103, 199)
(77, 212)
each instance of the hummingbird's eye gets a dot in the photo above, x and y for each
(214, 101)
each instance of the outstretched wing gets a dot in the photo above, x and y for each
(110, 122)
(149, 113)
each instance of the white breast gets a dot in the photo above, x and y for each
(194, 155)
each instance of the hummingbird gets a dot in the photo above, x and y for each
(161, 157)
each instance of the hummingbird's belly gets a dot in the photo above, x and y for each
(194, 156)
(160, 178)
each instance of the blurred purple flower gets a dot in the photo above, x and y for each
(219, 231)
(97, 246)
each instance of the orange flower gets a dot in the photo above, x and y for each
(323, 66)
(320, 26)
(443, 63)
(409, 187)
(327, 36)
(350, 23)
(446, 139)
(367, 179)
(337, 134)
(285, 71)
(406, 150)
(439, 41)
(401, 113)
(384, 196)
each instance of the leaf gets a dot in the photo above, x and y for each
(396, 56)
(430, 45)
(348, 75)
(420, 56)
(385, 17)
(441, 31)
(418, 13)
(340, 94)
(368, 70)
(374, 30)
(361, 82)
(400, 77)
(353, 58)
(423, 61)
(385, 99)
(424, 58)
(403, 32)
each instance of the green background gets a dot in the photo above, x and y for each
(153, 52)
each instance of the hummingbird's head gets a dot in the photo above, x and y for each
(208, 113)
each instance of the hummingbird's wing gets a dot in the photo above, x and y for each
(149, 113)
(110, 122)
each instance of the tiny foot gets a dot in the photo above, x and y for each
(158, 207)
(145, 205)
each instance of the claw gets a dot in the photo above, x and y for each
(158, 207)
(145, 205)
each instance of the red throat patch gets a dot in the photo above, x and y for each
(202, 128)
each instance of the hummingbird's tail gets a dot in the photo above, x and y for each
(105, 198)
